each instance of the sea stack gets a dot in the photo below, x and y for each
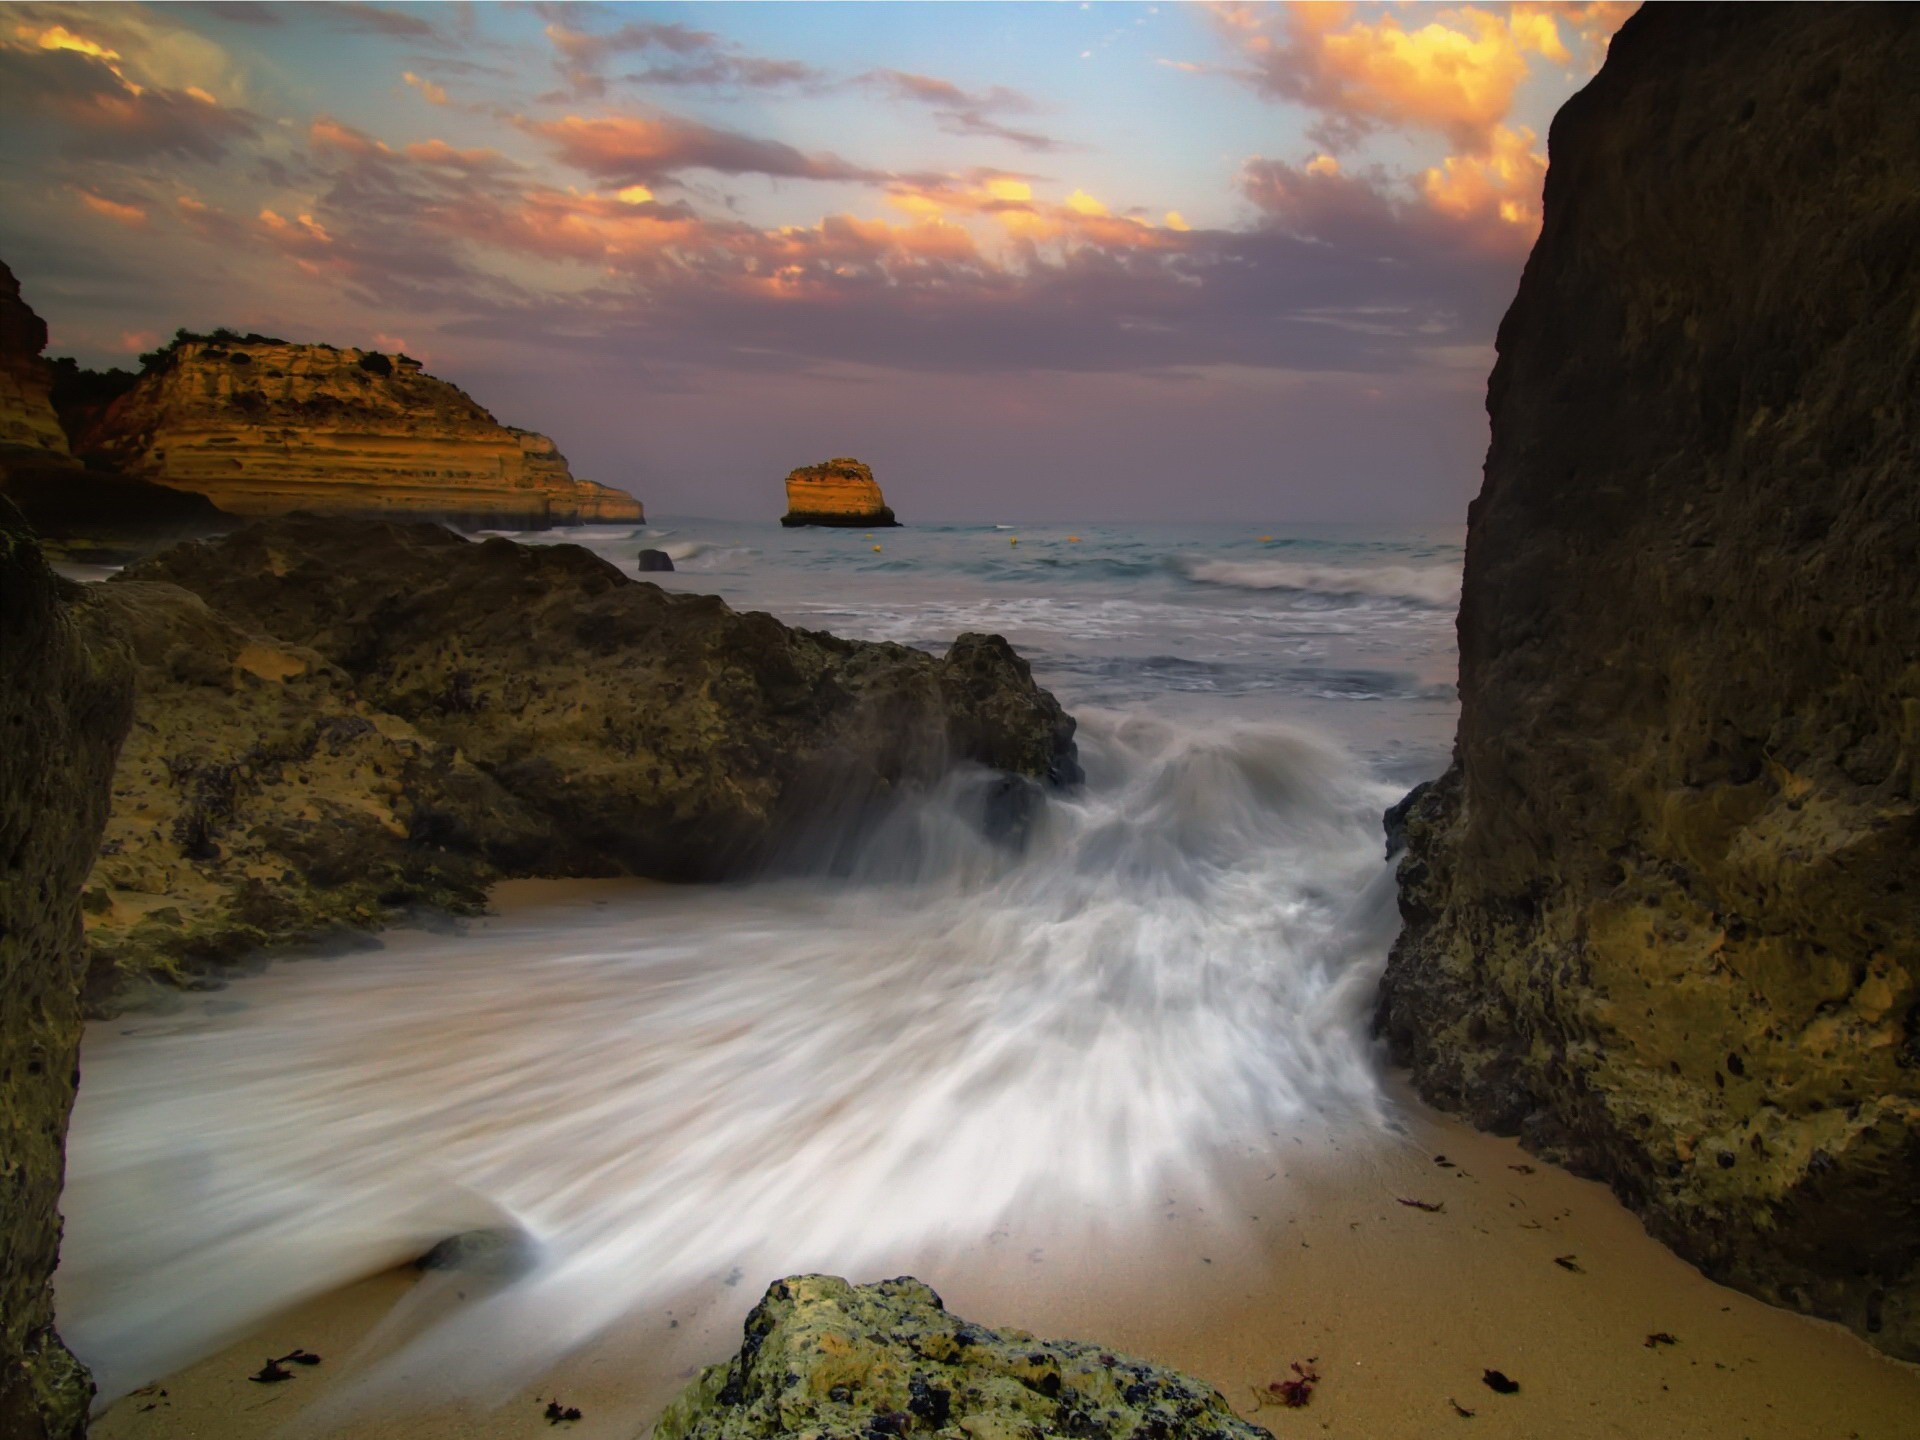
(1662, 913)
(27, 420)
(266, 427)
(836, 492)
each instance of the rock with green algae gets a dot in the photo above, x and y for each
(829, 1360)
(64, 702)
(1663, 913)
(342, 718)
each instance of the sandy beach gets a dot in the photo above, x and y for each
(1310, 1254)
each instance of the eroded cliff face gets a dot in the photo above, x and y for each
(1663, 913)
(26, 384)
(835, 492)
(64, 698)
(263, 427)
(338, 719)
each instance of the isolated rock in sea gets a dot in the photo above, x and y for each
(64, 703)
(338, 718)
(1663, 913)
(259, 801)
(655, 561)
(828, 1359)
(27, 418)
(835, 492)
(264, 427)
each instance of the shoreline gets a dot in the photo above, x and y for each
(1401, 1308)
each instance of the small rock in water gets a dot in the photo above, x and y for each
(495, 1254)
(655, 560)
(1497, 1382)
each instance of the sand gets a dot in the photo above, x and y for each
(1309, 1254)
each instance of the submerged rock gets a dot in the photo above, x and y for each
(1663, 913)
(339, 719)
(655, 560)
(835, 492)
(64, 701)
(264, 427)
(828, 1359)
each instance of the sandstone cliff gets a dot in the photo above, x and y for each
(835, 492)
(824, 1358)
(263, 427)
(63, 709)
(339, 718)
(27, 417)
(1663, 913)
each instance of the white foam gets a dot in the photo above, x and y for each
(1437, 586)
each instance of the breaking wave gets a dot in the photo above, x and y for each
(1435, 587)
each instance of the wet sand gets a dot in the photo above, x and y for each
(1401, 1308)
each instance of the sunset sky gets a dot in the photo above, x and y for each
(1029, 261)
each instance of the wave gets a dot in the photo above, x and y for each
(1434, 587)
(848, 1071)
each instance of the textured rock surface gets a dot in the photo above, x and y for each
(26, 384)
(263, 427)
(258, 801)
(1663, 913)
(340, 717)
(63, 708)
(835, 492)
(826, 1359)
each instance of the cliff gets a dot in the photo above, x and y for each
(1662, 915)
(338, 719)
(27, 417)
(264, 427)
(63, 709)
(835, 492)
(820, 1357)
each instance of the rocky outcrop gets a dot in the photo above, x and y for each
(824, 1358)
(835, 492)
(264, 427)
(1663, 913)
(338, 719)
(27, 418)
(63, 708)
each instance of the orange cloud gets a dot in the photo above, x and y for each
(1456, 73)
(134, 217)
(1502, 186)
(433, 94)
(326, 133)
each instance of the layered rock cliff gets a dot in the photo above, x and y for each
(64, 700)
(338, 719)
(27, 416)
(824, 1358)
(835, 492)
(1663, 912)
(264, 427)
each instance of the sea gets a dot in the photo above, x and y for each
(668, 1096)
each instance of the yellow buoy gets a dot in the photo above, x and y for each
(1014, 540)
(876, 549)
(1266, 539)
(1073, 539)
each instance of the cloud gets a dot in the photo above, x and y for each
(963, 112)
(1502, 186)
(689, 58)
(1457, 73)
(134, 217)
(638, 150)
(432, 93)
(82, 91)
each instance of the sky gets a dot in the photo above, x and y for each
(1030, 261)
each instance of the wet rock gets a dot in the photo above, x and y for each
(1682, 817)
(340, 719)
(496, 1254)
(654, 560)
(825, 1358)
(65, 695)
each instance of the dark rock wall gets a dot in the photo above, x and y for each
(64, 701)
(1663, 913)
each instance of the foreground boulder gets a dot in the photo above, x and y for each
(339, 719)
(1663, 913)
(64, 700)
(836, 1361)
(264, 426)
(836, 492)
